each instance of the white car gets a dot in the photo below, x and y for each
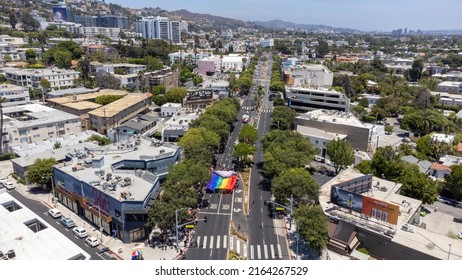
(80, 232)
(459, 235)
(55, 213)
(92, 241)
(3, 179)
(8, 185)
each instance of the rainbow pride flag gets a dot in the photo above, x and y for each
(222, 180)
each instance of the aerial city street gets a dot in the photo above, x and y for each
(142, 133)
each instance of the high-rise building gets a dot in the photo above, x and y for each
(86, 21)
(159, 28)
(112, 22)
(62, 13)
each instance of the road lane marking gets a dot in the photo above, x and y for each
(245, 250)
(279, 251)
(265, 250)
(231, 243)
(258, 252)
(198, 242)
(251, 252)
(213, 213)
(225, 241)
(272, 251)
(218, 242)
(238, 246)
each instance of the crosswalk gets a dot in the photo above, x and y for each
(247, 107)
(252, 252)
(266, 111)
(250, 108)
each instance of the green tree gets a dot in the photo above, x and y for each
(340, 153)
(2, 100)
(45, 84)
(283, 118)
(197, 80)
(322, 48)
(57, 145)
(416, 70)
(312, 223)
(29, 23)
(297, 182)
(84, 68)
(212, 123)
(102, 141)
(389, 129)
(365, 167)
(454, 181)
(199, 144)
(41, 171)
(416, 184)
(248, 134)
(242, 152)
(13, 20)
(153, 63)
(30, 56)
(278, 102)
(106, 80)
(285, 149)
(159, 90)
(106, 99)
(176, 95)
(63, 59)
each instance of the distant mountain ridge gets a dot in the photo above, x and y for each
(280, 24)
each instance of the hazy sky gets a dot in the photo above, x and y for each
(366, 15)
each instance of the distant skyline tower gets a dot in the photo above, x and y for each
(405, 30)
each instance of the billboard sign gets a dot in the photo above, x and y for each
(60, 14)
(380, 210)
(346, 199)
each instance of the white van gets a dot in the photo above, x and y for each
(8, 185)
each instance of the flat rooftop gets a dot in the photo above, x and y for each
(310, 131)
(112, 154)
(46, 244)
(332, 116)
(71, 91)
(82, 105)
(37, 114)
(87, 96)
(115, 107)
(26, 149)
(11, 87)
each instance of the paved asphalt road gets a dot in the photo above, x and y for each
(212, 238)
(265, 240)
(41, 210)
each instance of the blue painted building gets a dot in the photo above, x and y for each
(115, 186)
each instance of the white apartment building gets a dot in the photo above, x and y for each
(110, 32)
(189, 56)
(34, 123)
(159, 28)
(58, 78)
(233, 62)
(126, 73)
(14, 95)
(314, 75)
(450, 87)
(170, 109)
(308, 99)
(267, 43)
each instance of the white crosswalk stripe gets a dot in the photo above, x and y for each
(218, 242)
(258, 252)
(251, 252)
(198, 241)
(204, 244)
(211, 242)
(238, 246)
(272, 251)
(231, 243)
(265, 250)
(245, 250)
(225, 241)
(279, 251)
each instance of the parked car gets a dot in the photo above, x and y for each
(3, 179)
(80, 232)
(55, 213)
(407, 227)
(67, 222)
(457, 219)
(8, 185)
(459, 235)
(92, 241)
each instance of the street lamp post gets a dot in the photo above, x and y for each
(449, 252)
(176, 226)
(298, 238)
(53, 187)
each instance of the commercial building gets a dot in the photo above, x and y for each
(200, 98)
(110, 32)
(110, 21)
(170, 109)
(233, 63)
(26, 236)
(126, 73)
(303, 99)
(69, 92)
(370, 211)
(14, 95)
(115, 186)
(177, 126)
(159, 28)
(267, 43)
(328, 125)
(30, 123)
(208, 66)
(87, 21)
(189, 57)
(319, 138)
(309, 75)
(106, 117)
(58, 78)
(62, 13)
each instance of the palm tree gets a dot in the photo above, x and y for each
(2, 99)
